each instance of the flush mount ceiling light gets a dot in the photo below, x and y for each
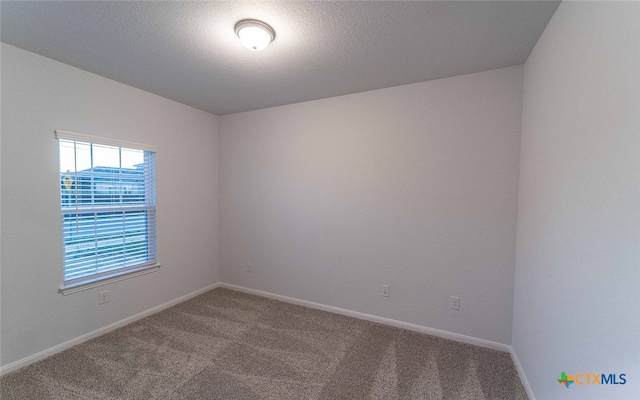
(254, 34)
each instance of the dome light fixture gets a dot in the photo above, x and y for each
(254, 35)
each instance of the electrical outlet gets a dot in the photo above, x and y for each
(249, 268)
(103, 297)
(385, 290)
(455, 303)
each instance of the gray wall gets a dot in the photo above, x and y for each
(577, 287)
(413, 186)
(40, 95)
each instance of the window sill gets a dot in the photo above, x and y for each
(92, 282)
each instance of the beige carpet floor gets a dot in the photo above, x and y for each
(230, 345)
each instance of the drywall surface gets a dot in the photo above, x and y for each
(577, 297)
(40, 95)
(413, 186)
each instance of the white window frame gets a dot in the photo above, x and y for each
(126, 271)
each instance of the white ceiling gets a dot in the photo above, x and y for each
(188, 52)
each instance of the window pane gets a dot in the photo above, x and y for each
(83, 156)
(132, 159)
(67, 156)
(106, 156)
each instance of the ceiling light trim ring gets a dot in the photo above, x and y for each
(254, 23)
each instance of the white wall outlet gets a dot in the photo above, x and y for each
(103, 297)
(249, 268)
(455, 303)
(385, 290)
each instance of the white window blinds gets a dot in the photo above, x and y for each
(108, 205)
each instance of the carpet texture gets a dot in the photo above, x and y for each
(230, 345)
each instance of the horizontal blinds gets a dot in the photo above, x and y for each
(108, 208)
(99, 242)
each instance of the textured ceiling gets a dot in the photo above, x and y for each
(188, 52)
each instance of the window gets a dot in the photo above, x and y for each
(107, 196)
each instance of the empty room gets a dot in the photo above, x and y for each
(320, 200)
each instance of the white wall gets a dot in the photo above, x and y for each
(40, 95)
(413, 186)
(577, 289)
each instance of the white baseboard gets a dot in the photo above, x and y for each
(521, 374)
(101, 331)
(373, 318)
